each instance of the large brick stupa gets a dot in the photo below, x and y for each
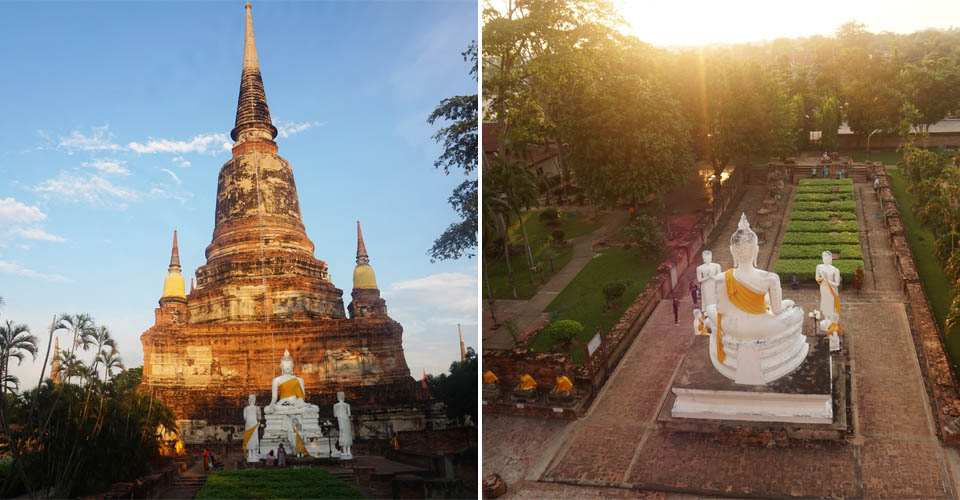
(262, 291)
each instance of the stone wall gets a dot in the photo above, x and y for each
(510, 365)
(939, 378)
(851, 141)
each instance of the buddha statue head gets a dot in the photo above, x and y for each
(286, 363)
(828, 257)
(340, 396)
(744, 245)
(697, 314)
(253, 399)
(707, 256)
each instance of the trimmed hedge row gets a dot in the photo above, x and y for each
(825, 189)
(806, 269)
(824, 216)
(825, 226)
(820, 239)
(825, 182)
(840, 251)
(823, 196)
(818, 206)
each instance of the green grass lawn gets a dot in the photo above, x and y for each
(935, 282)
(275, 483)
(573, 224)
(887, 156)
(583, 299)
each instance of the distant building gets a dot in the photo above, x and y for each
(944, 133)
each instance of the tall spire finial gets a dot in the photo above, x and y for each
(175, 254)
(463, 350)
(362, 257)
(253, 114)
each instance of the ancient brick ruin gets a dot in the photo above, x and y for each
(262, 291)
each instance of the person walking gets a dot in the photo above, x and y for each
(676, 311)
(694, 292)
(206, 459)
(876, 185)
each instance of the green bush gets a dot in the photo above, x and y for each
(817, 206)
(275, 483)
(563, 331)
(846, 252)
(550, 215)
(791, 238)
(823, 196)
(825, 182)
(825, 189)
(613, 290)
(797, 226)
(802, 215)
(646, 233)
(557, 236)
(806, 269)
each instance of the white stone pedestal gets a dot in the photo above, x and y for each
(278, 427)
(803, 396)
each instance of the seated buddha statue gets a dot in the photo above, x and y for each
(287, 389)
(288, 413)
(563, 390)
(757, 337)
(527, 388)
(491, 386)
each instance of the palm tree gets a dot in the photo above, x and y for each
(80, 326)
(111, 360)
(518, 190)
(102, 338)
(15, 341)
(492, 206)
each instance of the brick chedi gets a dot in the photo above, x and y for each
(262, 291)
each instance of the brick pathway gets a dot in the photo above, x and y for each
(892, 453)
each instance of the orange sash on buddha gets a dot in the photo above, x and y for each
(290, 388)
(527, 383)
(744, 299)
(701, 327)
(247, 435)
(564, 384)
(490, 378)
(836, 300)
(300, 447)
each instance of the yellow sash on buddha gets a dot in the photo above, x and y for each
(833, 328)
(247, 434)
(701, 327)
(290, 388)
(527, 383)
(744, 299)
(394, 443)
(564, 384)
(836, 300)
(490, 378)
(300, 447)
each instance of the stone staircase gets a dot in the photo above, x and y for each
(186, 485)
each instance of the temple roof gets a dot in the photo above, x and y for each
(252, 110)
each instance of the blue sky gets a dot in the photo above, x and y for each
(116, 121)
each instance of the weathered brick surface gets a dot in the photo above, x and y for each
(901, 469)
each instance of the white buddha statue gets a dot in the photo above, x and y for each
(828, 277)
(705, 274)
(699, 323)
(288, 402)
(757, 337)
(341, 411)
(251, 438)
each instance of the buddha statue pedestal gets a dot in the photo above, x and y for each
(278, 428)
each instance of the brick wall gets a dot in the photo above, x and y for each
(846, 142)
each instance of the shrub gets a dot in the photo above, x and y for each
(801, 215)
(822, 226)
(646, 233)
(550, 215)
(563, 331)
(806, 269)
(817, 206)
(823, 196)
(825, 189)
(798, 238)
(557, 237)
(846, 252)
(613, 290)
(825, 182)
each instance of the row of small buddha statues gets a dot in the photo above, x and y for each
(527, 389)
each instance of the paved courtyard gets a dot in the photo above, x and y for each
(618, 449)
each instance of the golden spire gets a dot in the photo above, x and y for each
(463, 350)
(55, 366)
(173, 285)
(363, 276)
(253, 114)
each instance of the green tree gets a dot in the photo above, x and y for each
(933, 87)
(517, 189)
(15, 342)
(459, 140)
(458, 389)
(828, 119)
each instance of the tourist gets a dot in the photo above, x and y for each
(281, 456)
(825, 157)
(794, 282)
(676, 311)
(694, 291)
(876, 185)
(271, 460)
(813, 172)
(206, 459)
(826, 172)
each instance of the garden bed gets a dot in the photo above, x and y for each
(823, 218)
(276, 483)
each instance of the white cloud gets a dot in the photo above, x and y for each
(175, 178)
(15, 212)
(108, 166)
(286, 129)
(35, 233)
(100, 140)
(92, 189)
(199, 144)
(183, 163)
(459, 292)
(180, 195)
(12, 268)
